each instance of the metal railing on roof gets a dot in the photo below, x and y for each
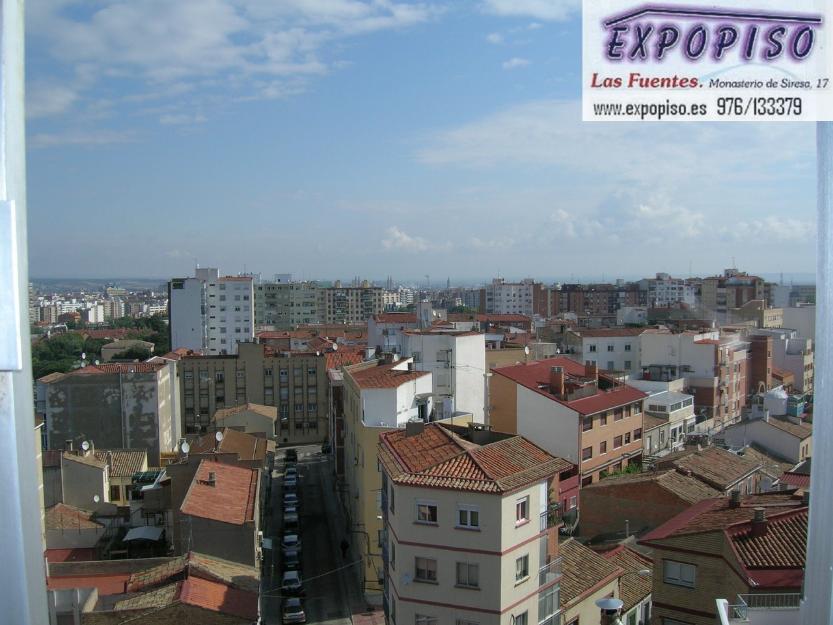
(763, 601)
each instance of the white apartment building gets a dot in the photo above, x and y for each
(509, 298)
(802, 319)
(93, 313)
(665, 291)
(612, 349)
(469, 537)
(210, 313)
(715, 368)
(793, 353)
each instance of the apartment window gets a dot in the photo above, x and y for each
(627, 347)
(636, 409)
(587, 424)
(618, 414)
(425, 570)
(617, 442)
(628, 364)
(283, 375)
(547, 603)
(392, 499)
(426, 512)
(573, 502)
(115, 493)
(627, 437)
(637, 434)
(602, 448)
(421, 619)
(611, 365)
(267, 371)
(468, 516)
(603, 418)
(610, 348)
(587, 481)
(463, 621)
(592, 348)
(312, 408)
(284, 392)
(522, 568)
(522, 511)
(299, 409)
(468, 575)
(678, 573)
(522, 619)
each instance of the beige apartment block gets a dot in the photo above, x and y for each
(470, 535)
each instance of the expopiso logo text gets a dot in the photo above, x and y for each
(656, 32)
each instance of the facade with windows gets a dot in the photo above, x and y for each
(612, 349)
(296, 384)
(468, 538)
(723, 548)
(211, 313)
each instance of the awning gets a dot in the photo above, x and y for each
(146, 532)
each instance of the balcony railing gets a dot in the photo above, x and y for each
(549, 572)
(768, 601)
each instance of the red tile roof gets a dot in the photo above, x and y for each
(385, 376)
(246, 446)
(109, 584)
(344, 357)
(798, 480)
(714, 466)
(219, 597)
(535, 375)
(230, 500)
(439, 458)
(127, 367)
(801, 431)
(395, 317)
(783, 545)
(633, 587)
(64, 517)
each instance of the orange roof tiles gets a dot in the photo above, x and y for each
(438, 458)
(230, 500)
(714, 466)
(385, 376)
(395, 317)
(344, 357)
(219, 597)
(62, 516)
(535, 375)
(246, 446)
(784, 543)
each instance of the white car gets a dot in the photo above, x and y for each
(291, 583)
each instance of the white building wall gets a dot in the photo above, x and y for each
(803, 319)
(230, 314)
(187, 315)
(769, 437)
(624, 357)
(548, 424)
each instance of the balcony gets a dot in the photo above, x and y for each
(549, 572)
(760, 609)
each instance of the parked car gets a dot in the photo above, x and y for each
(291, 498)
(291, 454)
(291, 542)
(292, 560)
(291, 471)
(291, 583)
(289, 508)
(291, 523)
(293, 610)
(290, 483)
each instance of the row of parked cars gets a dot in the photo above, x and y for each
(292, 587)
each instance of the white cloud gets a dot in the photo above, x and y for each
(79, 138)
(515, 63)
(396, 239)
(43, 100)
(538, 9)
(494, 38)
(178, 119)
(771, 228)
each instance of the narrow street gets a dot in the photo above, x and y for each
(328, 579)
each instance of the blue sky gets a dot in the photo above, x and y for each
(334, 138)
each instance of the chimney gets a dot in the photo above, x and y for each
(759, 523)
(591, 370)
(388, 358)
(212, 479)
(557, 381)
(411, 366)
(68, 445)
(414, 428)
(734, 499)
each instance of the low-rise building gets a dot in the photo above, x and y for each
(793, 353)
(572, 411)
(792, 441)
(669, 417)
(115, 349)
(470, 526)
(613, 349)
(250, 418)
(623, 505)
(634, 584)
(116, 406)
(726, 547)
(221, 513)
(587, 578)
(720, 469)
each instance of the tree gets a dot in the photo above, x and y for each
(133, 353)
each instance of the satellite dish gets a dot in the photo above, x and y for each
(85, 446)
(83, 355)
(609, 604)
(96, 498)
(185, 447)
(335, 347)
(396, 358)
(96, 363)
(219, 436)
(526, 350)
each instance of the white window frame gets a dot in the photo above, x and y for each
(467, 567)
(679, 573)
(466, 510)
(427, 504)
(425, 580)
(522, 519)
(525, 576)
